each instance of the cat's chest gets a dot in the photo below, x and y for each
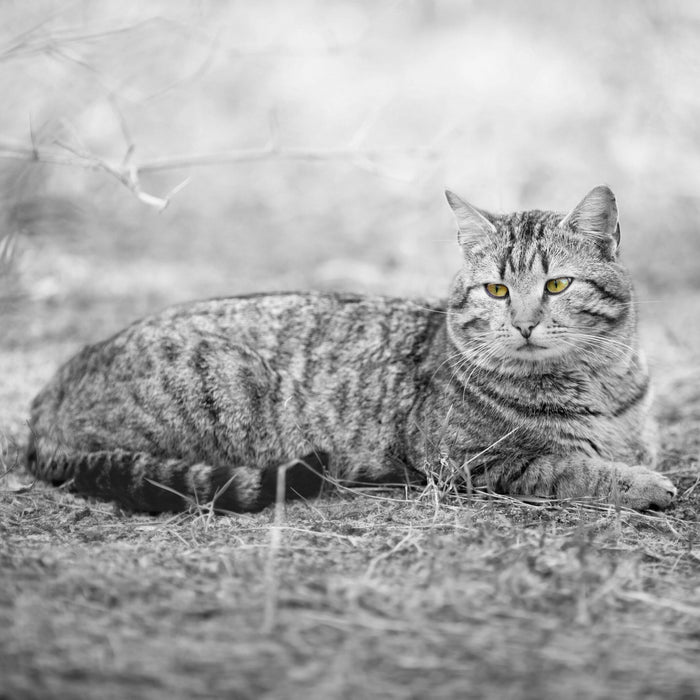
(565, 413)
(541, 402)
(603, 414)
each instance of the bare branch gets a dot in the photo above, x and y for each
(128, 172)
(8, 245)
(30, 42)
(67, 44)
(280, 153)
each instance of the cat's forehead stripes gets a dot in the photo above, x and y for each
(526, 236)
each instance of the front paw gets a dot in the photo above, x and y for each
(643, 489)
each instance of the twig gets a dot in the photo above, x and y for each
(128, 173)
(690, 490)
(280, 153)
(641, 597)
(29, 43)
(271, 577)
(8, 247)
(386, 555)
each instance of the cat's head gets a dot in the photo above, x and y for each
(537, 286)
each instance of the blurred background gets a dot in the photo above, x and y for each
(307, 144)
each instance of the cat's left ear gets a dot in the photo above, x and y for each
(596, 215)
(471, 222)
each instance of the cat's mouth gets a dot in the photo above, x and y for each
(531, 347)
(533, 352)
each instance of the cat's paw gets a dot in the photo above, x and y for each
(644, 489)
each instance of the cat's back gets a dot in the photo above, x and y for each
(312, 338)
(279, 324)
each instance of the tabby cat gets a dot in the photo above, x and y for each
(527, 380)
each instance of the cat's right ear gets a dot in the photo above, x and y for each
(596, 216)
(470, 221)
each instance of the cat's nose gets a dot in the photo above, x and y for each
(525, 327)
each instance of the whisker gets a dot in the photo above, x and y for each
(445, 312)
(600, 341)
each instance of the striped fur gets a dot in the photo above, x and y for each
(533, 393)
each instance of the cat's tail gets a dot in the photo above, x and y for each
(140, 481)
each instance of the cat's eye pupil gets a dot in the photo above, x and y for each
(557, 285)
(496, 290)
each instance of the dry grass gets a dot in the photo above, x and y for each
(382, 596)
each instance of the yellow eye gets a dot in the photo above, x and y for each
(558, 285)
(497, 290)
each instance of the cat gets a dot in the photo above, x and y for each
(528, 380)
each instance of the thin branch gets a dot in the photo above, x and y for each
(30, 42)
(281, 153)
(128, 173)
(194, 75)
(64, 44)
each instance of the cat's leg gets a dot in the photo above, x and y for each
(140, 481)
(576, 476)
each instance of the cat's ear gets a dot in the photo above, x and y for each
(596, 215)
(470, 221)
